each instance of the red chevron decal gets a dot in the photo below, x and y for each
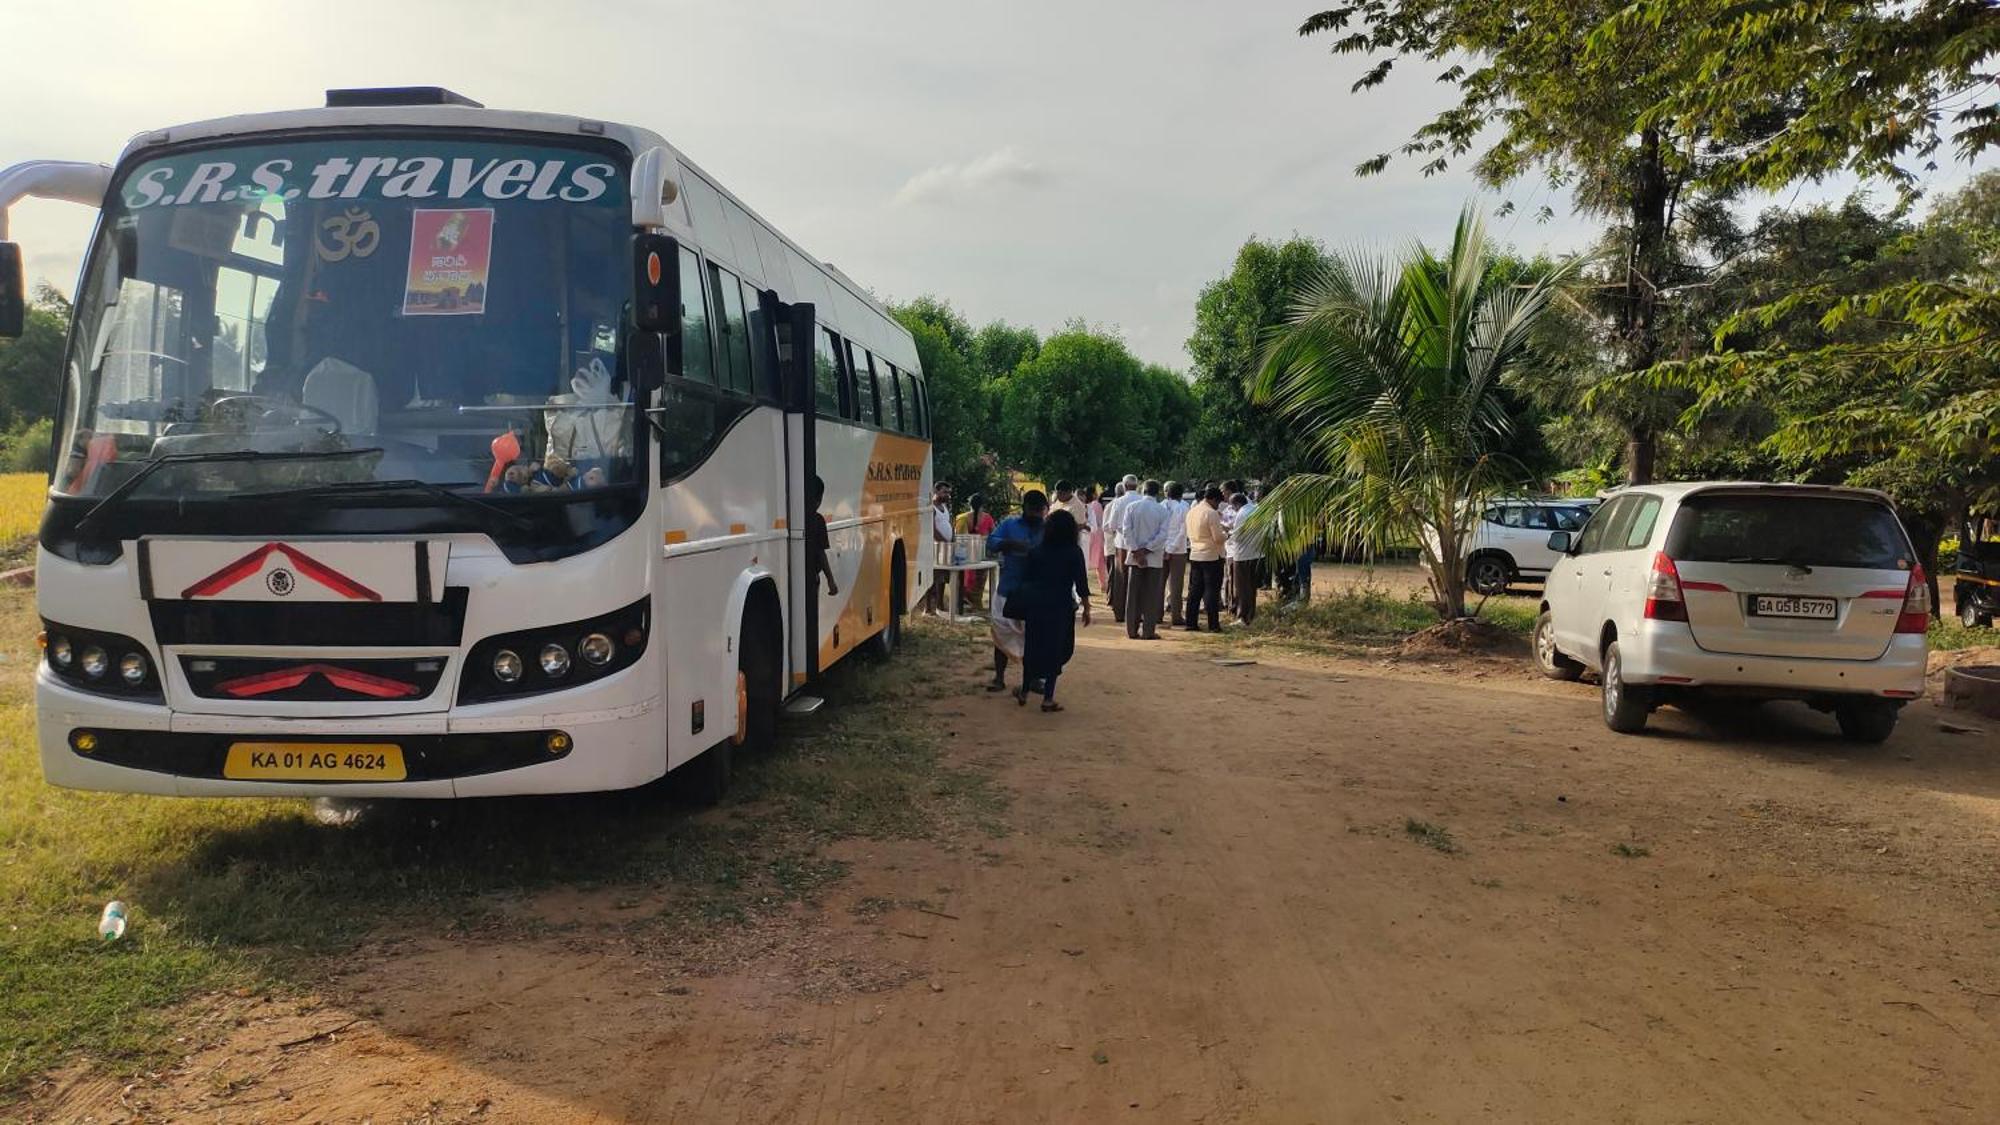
(347, 679)
(253, 563)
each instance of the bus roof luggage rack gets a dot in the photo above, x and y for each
(397, 95)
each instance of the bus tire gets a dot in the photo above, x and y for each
(702, 781)
(884, 644)
(759, 671)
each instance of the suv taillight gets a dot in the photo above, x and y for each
(1663, 591)
(1916, 615)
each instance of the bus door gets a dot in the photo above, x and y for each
(796, 331)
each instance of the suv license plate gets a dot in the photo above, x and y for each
(1769, 605)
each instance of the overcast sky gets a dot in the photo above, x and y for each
(1028, 160)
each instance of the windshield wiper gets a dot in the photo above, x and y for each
(409, 484)
(1763, 560)
(218, 456)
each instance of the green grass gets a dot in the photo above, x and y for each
(1947, 635)
(1366, 619)
(256, 894)
(1630, 851)
(1433, 836)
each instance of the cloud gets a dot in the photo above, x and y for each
(942, 183)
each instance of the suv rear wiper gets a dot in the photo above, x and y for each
(218, 456)
(409, 484)
(1771, 561)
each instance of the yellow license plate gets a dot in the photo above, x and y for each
(314, 761)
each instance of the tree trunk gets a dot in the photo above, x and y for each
(1645, 265)
(1640, 450)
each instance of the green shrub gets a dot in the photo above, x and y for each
(25, 449)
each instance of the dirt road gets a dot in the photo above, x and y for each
(1293, 891)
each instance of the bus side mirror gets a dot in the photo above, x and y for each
(656, 283)
(13, 292)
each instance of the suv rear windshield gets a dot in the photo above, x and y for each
(1829, 531)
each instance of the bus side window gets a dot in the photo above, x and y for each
(733, 352)
(892, 395)
(906, 393)
(696, 362)
(763, 371)
(923, 401)
(827, 386)
(864, 385)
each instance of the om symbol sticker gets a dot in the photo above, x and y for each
(352, 234)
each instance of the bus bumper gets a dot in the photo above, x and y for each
(148, 748)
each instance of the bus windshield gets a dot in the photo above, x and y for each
(440, 310)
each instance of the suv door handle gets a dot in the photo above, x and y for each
(1607, 574)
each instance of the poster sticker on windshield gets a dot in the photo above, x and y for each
(451, 253)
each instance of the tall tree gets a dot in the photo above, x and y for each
(1232, 436)
(962, 398)
(1870, 350)
(1083, 373)
(999, 347)
(1392, 372)
(31, 366)
(1587, 120)
(1875, 87)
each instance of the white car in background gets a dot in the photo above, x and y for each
(1760, 591)
(1510, 541)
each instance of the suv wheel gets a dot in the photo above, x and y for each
(1489, 575)
(1548, 657)
(1969, 615)
(1625, 705)
(1867, 720)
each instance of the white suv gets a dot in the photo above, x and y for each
(1764, 591)
(1510, 541)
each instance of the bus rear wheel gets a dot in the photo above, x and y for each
(884, 644)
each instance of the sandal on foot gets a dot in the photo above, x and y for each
(1048, 707)
(996, 685)
(1021, 697)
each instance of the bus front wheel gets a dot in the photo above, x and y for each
(759, 675)
(702, 781)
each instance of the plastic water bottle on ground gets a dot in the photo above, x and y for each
(111, 924)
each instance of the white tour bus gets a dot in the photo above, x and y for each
(409, 448)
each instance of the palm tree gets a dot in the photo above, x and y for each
(1391, 370)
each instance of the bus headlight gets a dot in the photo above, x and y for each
(507, 666)
(99, 662)
(568, 655)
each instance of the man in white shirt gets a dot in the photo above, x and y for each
(1174, 584)
(1246, 558)
(941, 537)
(1128, 491)
(1228, 513)
(1146, 531)
(1068, 501)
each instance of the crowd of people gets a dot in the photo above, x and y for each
(1163, 555)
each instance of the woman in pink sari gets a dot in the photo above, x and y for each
(975, 520)
(1094, 546)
